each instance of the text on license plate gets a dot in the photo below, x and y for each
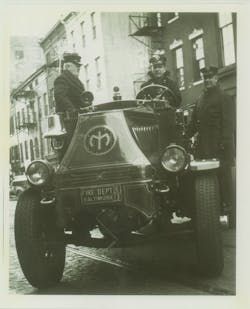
(106, 193)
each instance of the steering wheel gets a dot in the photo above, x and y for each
(156, 93)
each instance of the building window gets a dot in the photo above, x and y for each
(179, 66)
(32, 103)
(11, 155)
(83, 34)
(198, 57)
(26, 150)
(98, 81)
(12, 127)
(86, 73)
(18, 120)
(39, 108)
(72, 34)
(32, 157)
(98, 73)
(28, 111)
(51, 99)
(16, 153)
(34, 120)
(93, 25)
(45, 104)
(23, 117)
(37, 152)
(21, 152)
(172, 17)
(227, 38)
(19, 54)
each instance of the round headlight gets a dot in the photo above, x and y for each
(174, 158)
(38, 173)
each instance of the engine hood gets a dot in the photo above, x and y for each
(102, 139)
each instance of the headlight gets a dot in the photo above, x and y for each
(174, 158)
(39, 172)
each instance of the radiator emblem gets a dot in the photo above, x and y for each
(99, 140)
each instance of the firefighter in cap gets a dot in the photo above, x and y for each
(68, 93)
(68, 88)
(160, 76)
(166, 116)
(213, 122)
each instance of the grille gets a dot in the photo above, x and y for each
(147, 137)
(74, 179)
(146, 129)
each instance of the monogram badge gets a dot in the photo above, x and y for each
(99, 140)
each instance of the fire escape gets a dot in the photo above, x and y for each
(29, 121)
(147, 28)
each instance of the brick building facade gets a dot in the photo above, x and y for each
(115, 48)
(192, 41)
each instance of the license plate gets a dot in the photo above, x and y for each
(101, 194)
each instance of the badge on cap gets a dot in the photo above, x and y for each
(158, 57)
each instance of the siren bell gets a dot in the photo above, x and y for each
(55, 127)
(116, 95)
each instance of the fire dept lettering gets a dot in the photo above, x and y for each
(100, 194)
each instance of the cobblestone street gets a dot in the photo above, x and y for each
(168, 274)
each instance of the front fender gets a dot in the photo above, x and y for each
(204, 165)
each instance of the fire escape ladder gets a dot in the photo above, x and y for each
(146, 25)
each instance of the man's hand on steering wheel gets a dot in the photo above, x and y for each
(151, 94)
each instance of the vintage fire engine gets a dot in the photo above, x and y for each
(123, 174)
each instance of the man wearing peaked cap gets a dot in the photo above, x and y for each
(213, 119)
(72, 58)
(68, 93)
(160, 76)
(68, 88)
(209, 71)
(166, 117)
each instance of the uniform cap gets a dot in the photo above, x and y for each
(209, 71)
(158, 59)
(72, 58)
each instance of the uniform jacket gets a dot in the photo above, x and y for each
(68, 91)
(213, 120)
(166, 118)
(167, 82)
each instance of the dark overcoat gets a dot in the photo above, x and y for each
(68, 90)
(166, 118)
(213, 120)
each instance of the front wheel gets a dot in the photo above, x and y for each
(39, 244)
(207, 224)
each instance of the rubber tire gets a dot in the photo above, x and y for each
(207, 225)
(42, 263)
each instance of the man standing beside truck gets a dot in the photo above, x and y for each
(213, 120)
